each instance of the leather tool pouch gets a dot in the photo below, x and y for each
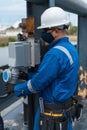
(76, 110)
(79, 108)
(63, 125)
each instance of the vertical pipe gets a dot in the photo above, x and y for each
(29, 114)
(51, 3)
(29, 9)
(1, 123)
(82, 39)
(82, 48)
(34, 10)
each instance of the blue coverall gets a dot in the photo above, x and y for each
(56, 78)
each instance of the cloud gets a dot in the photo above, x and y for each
(7, 3)
(11, 11)
(14, 10)
(16, 7)
(16, 24)
(73, 18)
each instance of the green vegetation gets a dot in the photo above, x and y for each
(72, 33)
(11, 28)
(4, 41)
(72, 30)
(73, 38)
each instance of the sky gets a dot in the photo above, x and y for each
(12, 11)
(73, 18)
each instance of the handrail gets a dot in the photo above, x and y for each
(75, 6)
(4, 96)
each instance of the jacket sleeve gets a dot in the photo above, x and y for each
(46, 73)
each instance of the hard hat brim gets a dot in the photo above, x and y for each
(55, 25)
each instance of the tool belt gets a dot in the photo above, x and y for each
(56, 116)
(58, 106)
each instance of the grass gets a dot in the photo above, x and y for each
(4, 41)
(73, 38)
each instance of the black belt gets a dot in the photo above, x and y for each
(58, 106)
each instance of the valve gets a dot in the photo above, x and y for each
(10, 75)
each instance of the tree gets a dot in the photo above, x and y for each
(72, 31)
(11, 28)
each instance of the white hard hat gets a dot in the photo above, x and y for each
(53, 17)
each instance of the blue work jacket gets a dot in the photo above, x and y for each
(56, 78)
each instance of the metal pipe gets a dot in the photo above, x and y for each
(51, 3)
(25, 126)
(37, 1)
(29, 9)
(4, 96)
(1, 123)
(75, 6)
(82, 41)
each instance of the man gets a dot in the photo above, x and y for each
(56, 78)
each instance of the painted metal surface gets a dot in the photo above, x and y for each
(75, 6)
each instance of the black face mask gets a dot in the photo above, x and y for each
(47, 37)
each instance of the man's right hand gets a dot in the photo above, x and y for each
(21, 89)
(9, 88)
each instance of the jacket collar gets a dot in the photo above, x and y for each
(64, 39)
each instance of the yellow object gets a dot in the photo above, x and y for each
(52, 114)
(41, 122)
(30, 25)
